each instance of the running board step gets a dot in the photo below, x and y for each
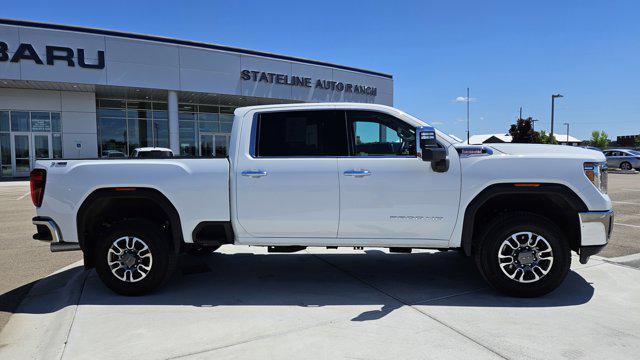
(402, 250)
(64, 246)
(285, 249)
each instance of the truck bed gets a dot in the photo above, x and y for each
(198, 188)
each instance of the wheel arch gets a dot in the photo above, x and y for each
(95, 202)
(559, 194)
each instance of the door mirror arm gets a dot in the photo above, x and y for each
(430, 149)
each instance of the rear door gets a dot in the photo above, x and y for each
(288, 185)
(386, 191)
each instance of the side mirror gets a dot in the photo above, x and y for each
(430, 150)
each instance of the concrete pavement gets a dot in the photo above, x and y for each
(326, 304)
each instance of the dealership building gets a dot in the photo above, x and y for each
(75, 92)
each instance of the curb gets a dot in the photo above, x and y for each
(40, 325)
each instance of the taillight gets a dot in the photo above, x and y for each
(37, 180)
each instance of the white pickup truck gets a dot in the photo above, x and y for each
(332, 175)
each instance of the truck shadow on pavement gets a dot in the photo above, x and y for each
(323, 279)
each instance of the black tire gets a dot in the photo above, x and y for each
(625, 165)
(486, 254)
(159, 246)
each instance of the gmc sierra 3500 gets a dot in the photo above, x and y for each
(331, 175)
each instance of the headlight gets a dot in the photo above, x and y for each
(597, 174)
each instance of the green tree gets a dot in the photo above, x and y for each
(637, 142)
(522, 132)
(599, 139)
(544, 138)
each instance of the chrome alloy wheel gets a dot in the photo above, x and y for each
(525, 257)
(129, 259)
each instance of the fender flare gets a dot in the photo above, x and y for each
(510, 188)
(129, 193)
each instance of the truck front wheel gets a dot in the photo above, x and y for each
(523, 255)
(134, 257)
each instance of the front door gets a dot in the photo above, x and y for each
(388, 192)
(20, 154)
(288, 185)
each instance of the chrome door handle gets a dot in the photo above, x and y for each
(254, 173)
(357, 173)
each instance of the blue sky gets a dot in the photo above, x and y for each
(510, 53)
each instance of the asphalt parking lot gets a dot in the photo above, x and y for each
(22, 260)
(624, 190)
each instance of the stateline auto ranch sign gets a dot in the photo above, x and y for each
(301, 81)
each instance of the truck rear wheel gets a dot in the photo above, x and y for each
(523, 255)
(134, 257)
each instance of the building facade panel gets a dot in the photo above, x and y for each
(142, 75)
(209, 71)
(141, 52)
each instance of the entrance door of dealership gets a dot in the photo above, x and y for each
(26, 148)
(214, 144)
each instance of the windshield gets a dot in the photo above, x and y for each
(155, 154)
(634, 152)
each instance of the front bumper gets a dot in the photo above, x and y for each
(48, 231)
(595, 231)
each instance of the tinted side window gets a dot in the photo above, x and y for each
(302, 133)
(376, 134)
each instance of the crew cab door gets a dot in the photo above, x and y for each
(388, 192)
(287, 185)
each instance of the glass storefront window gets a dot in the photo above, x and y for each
(140, 134)
(4, 121)
(56, 122)
(161, 132)
(187, 115)
(208, 126)
(111, 113)
(187, 131)
(20, 121)
(57, 145)
(110, 103)
(145, 123)
(208, 116)
(112, 136)
(40, 121)
(160, 114)
(5, 149)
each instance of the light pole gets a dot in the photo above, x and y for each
(553, 100)
(533, 124)
(468, 99)
(567, 125)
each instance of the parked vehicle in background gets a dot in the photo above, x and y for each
(113, 154)
(152, 152)
(592, 148)
(330, 175)
(624, 159)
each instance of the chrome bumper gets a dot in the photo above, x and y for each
(595, 227)
(595, 231)
(48, 231)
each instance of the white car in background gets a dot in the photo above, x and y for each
(152, 152)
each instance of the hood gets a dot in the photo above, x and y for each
(543, 150)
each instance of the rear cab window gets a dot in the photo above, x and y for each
(313, 133)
